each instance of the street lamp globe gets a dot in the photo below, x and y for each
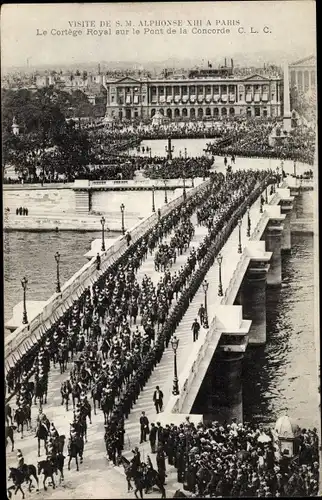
(103, 221)
(219, 259)
(24, 282)
(57, 257)
(240, 222)
(122, 207)
(174, 343)
(205, 286)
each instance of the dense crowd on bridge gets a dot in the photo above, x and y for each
(113, 356)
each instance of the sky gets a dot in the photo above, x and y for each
(275, 30)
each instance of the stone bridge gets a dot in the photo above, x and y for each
(237, 319)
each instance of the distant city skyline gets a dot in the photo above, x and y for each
(290, 34)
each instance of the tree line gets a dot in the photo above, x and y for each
(51, 139)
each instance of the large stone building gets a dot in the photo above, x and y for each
(303, 74)
(216, 93)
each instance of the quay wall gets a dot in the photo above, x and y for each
(39, 200)
(58, 303)
(43, 204)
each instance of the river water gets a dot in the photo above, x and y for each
(279, 378)
(31, 254)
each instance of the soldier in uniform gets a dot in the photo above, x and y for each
(136, 460)
(21, 461)
(42, 420)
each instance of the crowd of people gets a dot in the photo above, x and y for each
(113, 355)
(252, 139)
(237, 460)
(22, 211)
(161, 168)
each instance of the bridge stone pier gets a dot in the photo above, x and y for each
(286, 204)
(252, 293)
(273, 238)
(224, 375)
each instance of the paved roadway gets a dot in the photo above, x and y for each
(96, 478)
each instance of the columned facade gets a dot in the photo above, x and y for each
(303, 74)
(194, 98)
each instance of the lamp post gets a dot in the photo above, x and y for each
(220, 291)
(122, 207)
(174, 344)
(184, 188)
(103, 241)
(165, 192)
(57, 259)
(205, 286)
(277, 174)
(294, 167)
(185, 153)
(24, 283)
(282, 170)
(153, 204)
(180, 155)
(239, 235)
(193, 181)
(261, 201)
(249, 224)
(266, 195)
(169, 150)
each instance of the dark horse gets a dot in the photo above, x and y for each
(8, 413)
(48, 468)
(9, 434)
(65, 391)
(19, 476)
(41, 391)
(97, 395)
(23, 416)
(141, 481)
(63, 358)
(42, 435)
(75, 449)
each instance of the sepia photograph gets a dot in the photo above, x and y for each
(160, 250)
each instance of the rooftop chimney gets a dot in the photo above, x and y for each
(225, 62)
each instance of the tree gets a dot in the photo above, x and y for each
(73, 151)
